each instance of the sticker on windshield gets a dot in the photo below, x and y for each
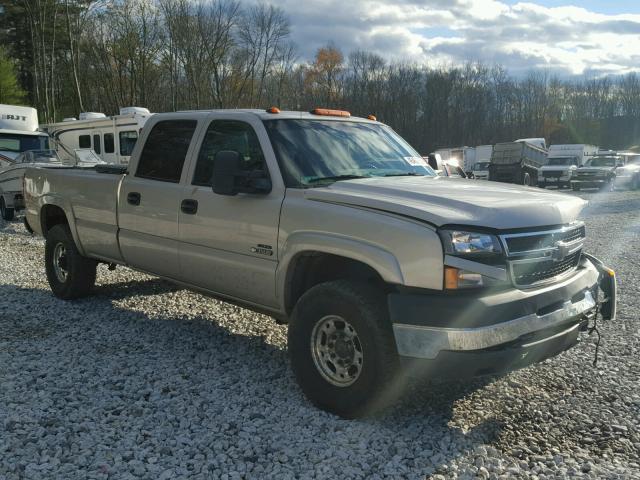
(416, 161)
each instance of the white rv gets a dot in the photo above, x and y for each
(111, 138)
(19, 132)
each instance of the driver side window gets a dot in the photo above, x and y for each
(228, 135)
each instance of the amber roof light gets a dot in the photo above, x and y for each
(371, 117)
(331, 113)
(273, 110)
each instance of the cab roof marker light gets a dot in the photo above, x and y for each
(329, 112)
(371, 117)
(273, 110)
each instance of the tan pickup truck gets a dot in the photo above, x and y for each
(336, 226)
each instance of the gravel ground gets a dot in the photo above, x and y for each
(146, 380)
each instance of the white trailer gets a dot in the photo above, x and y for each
(111, 138)
(19, 132)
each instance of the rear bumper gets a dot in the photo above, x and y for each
(484, 333)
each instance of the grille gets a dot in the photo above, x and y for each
(537, 256)
(534, 272)
(553, 174)
(534, 241)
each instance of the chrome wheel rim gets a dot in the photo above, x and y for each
(336, 350)
(60, 262)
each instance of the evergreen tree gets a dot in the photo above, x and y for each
(10, 92)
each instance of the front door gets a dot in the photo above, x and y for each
(228, 244)
(149, 199)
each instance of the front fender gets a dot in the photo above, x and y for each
(377, 258)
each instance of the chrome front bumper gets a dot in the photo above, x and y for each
(427, 342)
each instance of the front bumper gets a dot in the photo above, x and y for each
(481, 333)
(594, 182)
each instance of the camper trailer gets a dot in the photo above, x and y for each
(111, 138)
(19, 132)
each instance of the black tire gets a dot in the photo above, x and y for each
(365, 309)
(6, 212)
(80, 271)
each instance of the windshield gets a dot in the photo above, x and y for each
(40, 156)
(11, 142)
(602, 162)
(562, 161)
(317, 152)
(481, 166)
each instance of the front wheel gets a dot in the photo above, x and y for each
(342, 348)
(6, 212)
(70, 275)
(526, 179)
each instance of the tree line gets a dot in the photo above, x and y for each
(98, 55)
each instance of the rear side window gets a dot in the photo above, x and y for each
(96, 144)
(84, 141)
(127, 142)
(108, 143)
(165, 150)
(228, 135)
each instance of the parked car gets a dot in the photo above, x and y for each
(336, 226)
(628, 176)
(598, 172)
(558, 172)
(481, 171)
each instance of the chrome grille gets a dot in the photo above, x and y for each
(542, 257)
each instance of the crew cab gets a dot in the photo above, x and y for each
(336, 226)
(558, 171)
(597, 172)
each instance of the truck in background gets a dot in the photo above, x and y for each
(480, 169)
(111, 138)
(516, 162)
(465, 157)
(563, 161)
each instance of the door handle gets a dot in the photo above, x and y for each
(133, 198)
(189, 206)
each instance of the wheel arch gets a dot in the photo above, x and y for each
(310, 259)
(53, 212)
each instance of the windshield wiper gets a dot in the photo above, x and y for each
(335, 178)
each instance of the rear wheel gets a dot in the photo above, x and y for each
(6, 212)
(70, 275)
(342, 348)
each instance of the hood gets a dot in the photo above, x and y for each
(594, 170)
(441, 201)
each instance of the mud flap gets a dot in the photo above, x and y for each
(607, 284)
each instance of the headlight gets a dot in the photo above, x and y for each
(463, 243)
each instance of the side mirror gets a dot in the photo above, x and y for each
(230, 179)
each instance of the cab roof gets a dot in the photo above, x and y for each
(282, 115)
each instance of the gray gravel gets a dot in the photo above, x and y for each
(146, 380)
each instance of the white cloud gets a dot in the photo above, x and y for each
(522, 37)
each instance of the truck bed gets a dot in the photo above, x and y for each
(90, 196)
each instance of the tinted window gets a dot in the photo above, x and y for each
(96, 144)
(127, 142)
(228, 135)
(108, 143)
(165, 150)
(84, 141)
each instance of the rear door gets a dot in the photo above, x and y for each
(149, 198)
(229, 243)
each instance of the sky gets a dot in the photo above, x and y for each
(563, 37)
